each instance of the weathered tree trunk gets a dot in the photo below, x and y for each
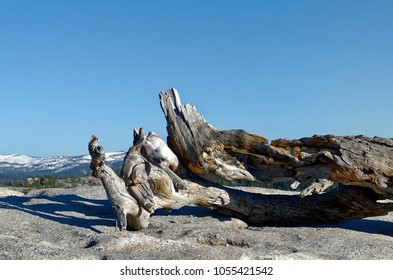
(362, 166)
(341, 204)
(222, 169)
(235, 157)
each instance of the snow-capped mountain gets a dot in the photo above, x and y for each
(20, 166)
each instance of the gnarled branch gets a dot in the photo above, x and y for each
(145, 186)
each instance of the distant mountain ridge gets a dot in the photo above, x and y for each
(18, 167)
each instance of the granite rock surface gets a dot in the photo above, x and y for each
(79, 223)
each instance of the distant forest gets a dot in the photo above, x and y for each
(52, 182)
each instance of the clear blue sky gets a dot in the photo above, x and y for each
(291, 69)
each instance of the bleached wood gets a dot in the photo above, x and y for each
(146, 187)
(128, 212)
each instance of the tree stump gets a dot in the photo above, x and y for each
(361, 166)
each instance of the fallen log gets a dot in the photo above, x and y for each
(157, 190)
(207, 167)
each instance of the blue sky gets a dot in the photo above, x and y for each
(275, 68)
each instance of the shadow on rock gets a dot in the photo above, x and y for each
(368, 226)
(190, 211)
(68, 209)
